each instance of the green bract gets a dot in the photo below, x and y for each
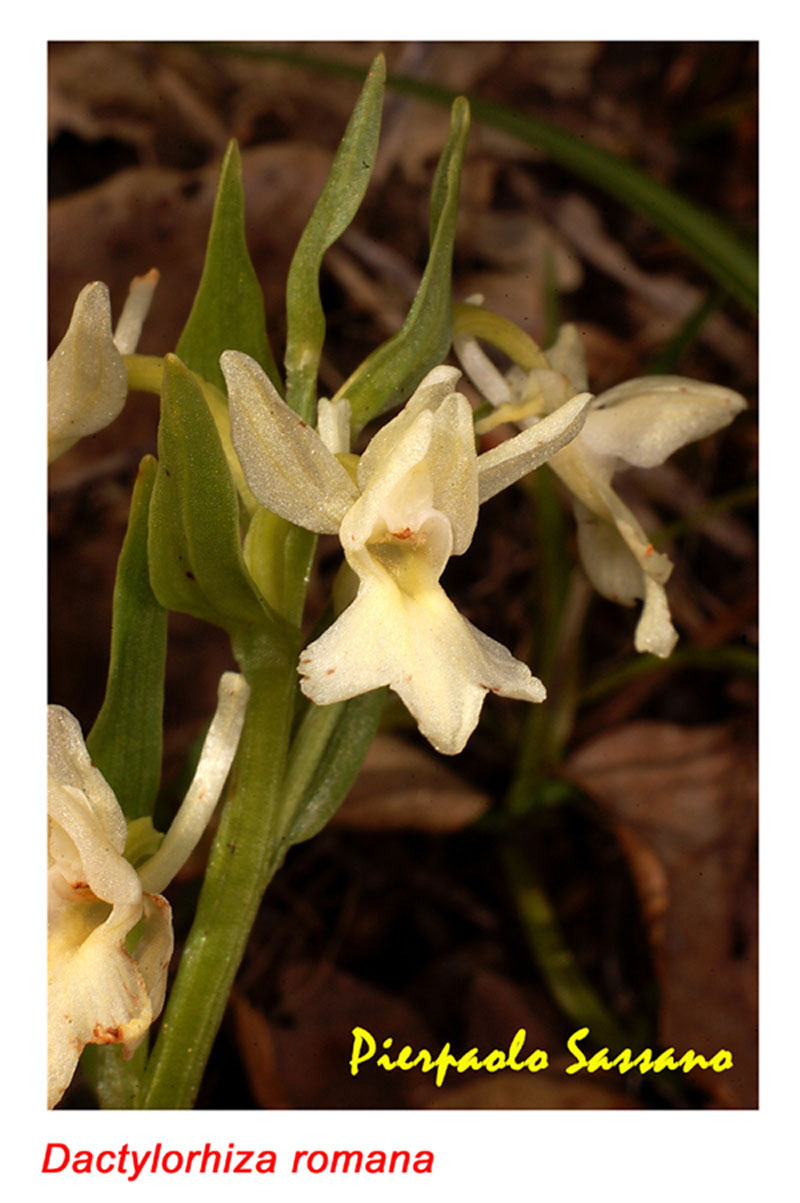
(392, 372)
(228, 309)
(335, 209)
(194, 547)
(125, 741)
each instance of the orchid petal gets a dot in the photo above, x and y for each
(588, 477)
(216, 758)
(69, 765)
(655, 632)
(333, 424)
(453, 463)
(609, 563)
(286, 464)
(616, 574)
(516, 457)
(538, 392)
(96, 863)
(87, 383)
(481, 371)
(644, 421)
(134, 312)
(96, 992)
(429, 394)
(398, 495)
(419, 645)
(653, 563)
(568, 357)
(153, 951)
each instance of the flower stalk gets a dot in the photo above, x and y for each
(243, 859)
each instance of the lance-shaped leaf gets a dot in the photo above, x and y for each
(228, 309)
(333, 212)
(196, 563)
(708, 240)
(125, 741)
(393, 370)
(325, 758)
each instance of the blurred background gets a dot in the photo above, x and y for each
(588, 862)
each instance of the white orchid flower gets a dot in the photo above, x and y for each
(636, 424)
(86, 379)
(411, 504)
(101, 990)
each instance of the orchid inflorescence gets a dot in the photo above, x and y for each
(100, 991)
(400, 509)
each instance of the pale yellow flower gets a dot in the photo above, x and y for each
(636, 424)
(105, 984)
(86, 378)
(412, 503)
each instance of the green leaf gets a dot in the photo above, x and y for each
(705, 237)
(125, 741)
(337, 205)
(392, 372)
(325, 758)
(228, 309)
(196, 563)
(278, 556)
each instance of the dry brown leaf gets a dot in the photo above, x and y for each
(563, 68)
(401, 786)
(320, 1006)
(524, 245)
(99, 89)
(154, 217)
(684, 803)
(364, 292)
(580, 222)
(257, 1050)
(498, 1007)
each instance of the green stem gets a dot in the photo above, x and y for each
(308, 748)
(551, 585)
(144, 373)
(565, 980)
(115, 1080)
(244, 857)
(248, 847)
